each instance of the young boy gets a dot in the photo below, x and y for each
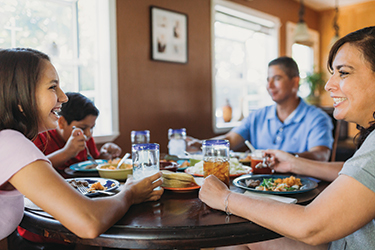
(65, 145)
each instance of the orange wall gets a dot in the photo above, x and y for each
(157, 95)
(350, 18)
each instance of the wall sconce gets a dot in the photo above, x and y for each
(301, 33)
(53, 49)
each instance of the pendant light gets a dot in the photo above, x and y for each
(301, 34)
(335, 25)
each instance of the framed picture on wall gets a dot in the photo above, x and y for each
(168, 35)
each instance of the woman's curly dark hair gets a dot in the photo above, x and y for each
(364, 41)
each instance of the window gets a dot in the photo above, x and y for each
(306, 55)
(80, 38)
(244, 41)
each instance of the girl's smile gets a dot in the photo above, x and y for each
(49, 97)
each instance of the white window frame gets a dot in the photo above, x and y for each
(106, 76)
(113, 74)
(243, 9)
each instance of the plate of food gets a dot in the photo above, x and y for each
(93, 184)
(236, 169)
(275, 184)
(183, 164)
(87, 166)
(180, 182)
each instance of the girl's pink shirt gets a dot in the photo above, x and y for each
(16, 152)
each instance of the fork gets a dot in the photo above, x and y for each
(262, 164)
(89, 157)
(83, 190)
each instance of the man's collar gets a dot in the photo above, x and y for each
(300, 112)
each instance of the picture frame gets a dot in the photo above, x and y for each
(169, 35)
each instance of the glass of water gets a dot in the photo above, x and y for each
(145, 160)
(177, 142)
(142, 136)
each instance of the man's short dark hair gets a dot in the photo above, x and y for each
(77, 107)
(287, 64)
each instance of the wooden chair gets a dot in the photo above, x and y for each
(336, 137)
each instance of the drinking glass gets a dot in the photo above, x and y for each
(177, 142)
(138, 137)
(145, 160)
(216, 159)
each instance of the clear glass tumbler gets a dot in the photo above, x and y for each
(145, 160)
(138, 137)
(177, 142)
(216, 159)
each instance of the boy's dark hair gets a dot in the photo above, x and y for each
(77, 107)
(287, 64)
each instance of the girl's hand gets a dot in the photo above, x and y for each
(280, 161)
(213, 192)
(144, 189)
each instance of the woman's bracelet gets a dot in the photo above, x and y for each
(226, 204)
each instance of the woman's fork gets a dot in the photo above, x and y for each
(262, 164)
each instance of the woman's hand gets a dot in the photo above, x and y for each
(213, 192)
(280, 161)
(144, 189)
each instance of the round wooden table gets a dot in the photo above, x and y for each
(176, 221)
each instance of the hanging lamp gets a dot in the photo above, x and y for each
(335, 24)
(301, 33)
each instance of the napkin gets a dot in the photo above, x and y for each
(271, 196)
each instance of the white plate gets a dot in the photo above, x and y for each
(110, 184)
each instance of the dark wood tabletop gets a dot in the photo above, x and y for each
(176, 221)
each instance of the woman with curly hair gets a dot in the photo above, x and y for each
(342, 216)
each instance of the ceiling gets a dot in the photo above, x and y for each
(330, 4)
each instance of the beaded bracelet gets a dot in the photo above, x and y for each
(226, 203)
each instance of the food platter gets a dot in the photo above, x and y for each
(198, 180)
(82, 166)
(307, 183)
(190, 170)
(110, 184)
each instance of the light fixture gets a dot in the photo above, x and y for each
(53, 49)
(335, 25)
(301, 33)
